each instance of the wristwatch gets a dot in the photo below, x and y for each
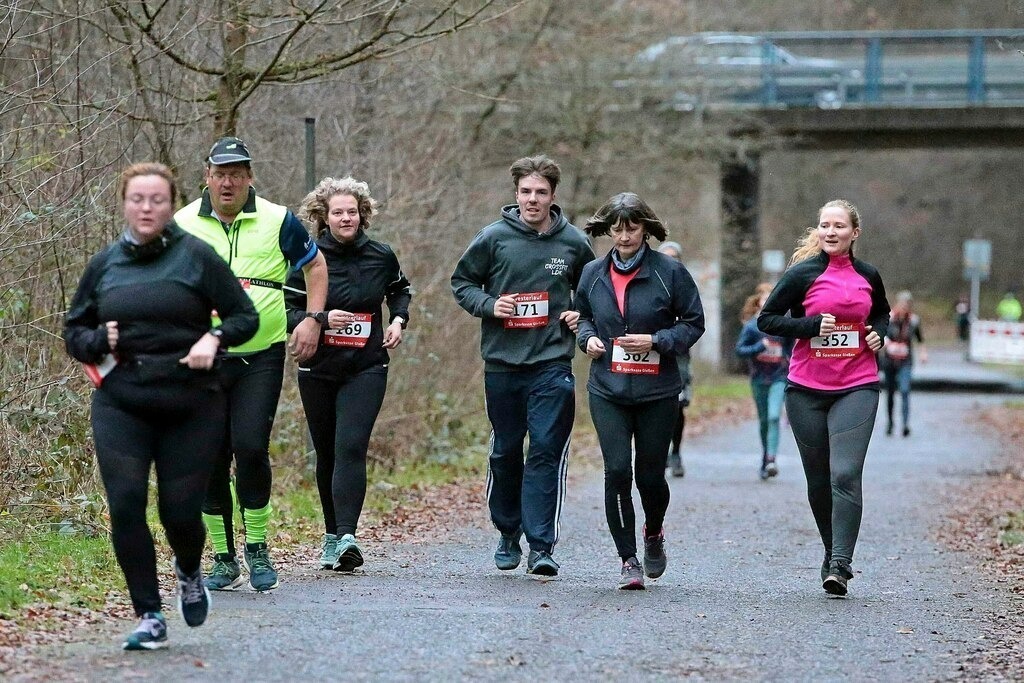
(218, 333)
(319, 316)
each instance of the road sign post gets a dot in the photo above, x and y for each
(977, 266)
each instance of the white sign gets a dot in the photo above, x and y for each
(994, 341)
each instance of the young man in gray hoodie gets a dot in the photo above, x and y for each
(518, 275)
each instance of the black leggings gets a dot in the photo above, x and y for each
(649, 425)
(253, 385)
(182, 443)
(832, 432)
(341, 414)
(677, 430)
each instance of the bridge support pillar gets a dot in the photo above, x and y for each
(741, 247)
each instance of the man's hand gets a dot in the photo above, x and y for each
(571, 319)
(304, 340)
(112, 334)
(505, 306)
(595, 347)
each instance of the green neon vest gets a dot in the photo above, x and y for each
(251, 246)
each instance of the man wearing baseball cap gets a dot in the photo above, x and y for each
(262, 242)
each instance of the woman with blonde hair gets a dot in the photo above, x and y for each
(342, 386)
(834, 306)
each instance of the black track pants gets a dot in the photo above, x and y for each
(183, 445)
(832, 432)
(649, 425)
(341, 414)
(252, 385)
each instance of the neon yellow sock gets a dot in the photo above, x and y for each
(218, 533)
(256, 523)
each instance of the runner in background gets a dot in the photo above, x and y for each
(638, 310)
(767, 359)
(675, 456)
(898, 357)
(834, 306)
(963, 317)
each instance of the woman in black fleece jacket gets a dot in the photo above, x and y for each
(638, 310)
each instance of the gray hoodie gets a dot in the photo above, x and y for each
(510, 257)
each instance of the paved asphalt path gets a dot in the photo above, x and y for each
(741, 598)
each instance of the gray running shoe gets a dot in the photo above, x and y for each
(262, 575)
(193, 597)
(226, 574)
(655, 558)
(349, 554)
(329, 557)
(150, 634)
(509, 553)
(839, 573)
(540, 563)
(632, 578)
(675, 464)
(770, 466)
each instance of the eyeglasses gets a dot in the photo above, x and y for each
(155, 200)
(234, 176)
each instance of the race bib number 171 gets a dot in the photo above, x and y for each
(531, 311)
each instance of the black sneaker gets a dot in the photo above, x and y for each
(193, 598)
(675, 464)
(632, 577)
(540, 563)
(888, 429)
(509, 553)
(906, 431)
(655, 558)
(150, 634)
(262, 575)
(824, 566)
(839, 573)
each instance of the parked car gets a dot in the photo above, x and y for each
(682, 71)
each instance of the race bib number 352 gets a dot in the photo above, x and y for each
(843, 342)
(630, 363)
(531, 311)
(355, 334)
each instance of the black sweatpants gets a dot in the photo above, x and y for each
(252, 385)
(341, 413)
(182, 441)
(832, 432)
(649, 425)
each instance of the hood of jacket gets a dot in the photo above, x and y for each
(512, 217)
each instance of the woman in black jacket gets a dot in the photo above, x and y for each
(140, 321)
(343, 384)
(638, 309)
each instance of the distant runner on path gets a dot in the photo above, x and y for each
(833, 305)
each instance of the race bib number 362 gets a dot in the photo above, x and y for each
(355, 334)
(531, 311)
(843, 342)
(630, 363)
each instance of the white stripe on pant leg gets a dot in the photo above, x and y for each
(622, 517)
(490, 475)
(563, 471)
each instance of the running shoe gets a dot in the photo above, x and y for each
(150, 634)
(349, 554)
(193, 597)
(824, 566)
(839, 573)
(329, 557)
(655, 558)
(226, 574)
(906, 431)
(509, 553)
(675, 464)
(632, 578)
(540, 563)
(262, 575)
(888, 429)
(770, 466)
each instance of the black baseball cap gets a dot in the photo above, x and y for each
(229, 151)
